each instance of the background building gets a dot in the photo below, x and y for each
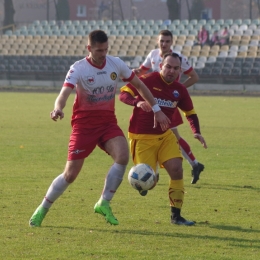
(27, 11)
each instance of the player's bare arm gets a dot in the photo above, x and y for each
(139, 72)
(60, 103)
(192, 79)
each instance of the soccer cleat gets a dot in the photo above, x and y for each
(104, 209)
(195, 172)
(143, 192)
(38, 216)
(140, 190)
(181, 221)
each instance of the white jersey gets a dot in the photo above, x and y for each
(96, 86)
(154, 59)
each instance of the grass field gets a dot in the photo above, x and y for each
(224, 203)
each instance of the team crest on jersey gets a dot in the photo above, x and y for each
(176, 93)
(90, 80)
(113, 76)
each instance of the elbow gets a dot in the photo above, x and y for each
(197, 78)
(120, 96)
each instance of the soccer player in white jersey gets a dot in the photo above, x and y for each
(153, 62)
(94, 122)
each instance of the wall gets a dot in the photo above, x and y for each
(26, 11)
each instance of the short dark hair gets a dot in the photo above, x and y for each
(97, 36)
(172, 54)
(166, 33)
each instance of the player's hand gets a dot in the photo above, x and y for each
(56, 113)
(201, 139)
(145, 106)
(136, 71)
(162, 119)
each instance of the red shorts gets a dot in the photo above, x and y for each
(84, 140)
(176, 118)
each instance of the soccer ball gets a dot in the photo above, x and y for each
(142, 177)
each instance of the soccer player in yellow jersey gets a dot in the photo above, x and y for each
(153, 62)
(151, 145)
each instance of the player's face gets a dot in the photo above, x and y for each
(164, 43)
(171, 69)
(98, 52)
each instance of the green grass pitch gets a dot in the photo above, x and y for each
(224, 203)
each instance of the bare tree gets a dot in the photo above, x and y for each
(8, 14)
(196, 9)
(174, 9)
(62, 10)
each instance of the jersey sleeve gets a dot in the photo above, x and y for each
(130, 89)
(147, 64)
(125, 73)
(127, 98)
(72, 77)
(185, 65)
(186, 105)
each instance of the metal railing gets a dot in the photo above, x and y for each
(12, 26)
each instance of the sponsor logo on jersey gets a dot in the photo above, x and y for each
(176, 93)
(98, 90)
(91, 80)
(71, 71)
(157, 89)
(68, 78)
(113, 76)
(101, 72)
(166, 103)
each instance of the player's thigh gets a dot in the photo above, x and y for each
(117, 147)
(81, 144)
(144, 151)
(169, 149)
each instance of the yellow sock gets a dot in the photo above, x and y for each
(176, 193)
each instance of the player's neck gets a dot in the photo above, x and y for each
(162, 53)
(95, 62)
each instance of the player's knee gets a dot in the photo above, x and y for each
(70, 176)
(122, 158)
(176, 172)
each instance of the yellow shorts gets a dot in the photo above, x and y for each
(159, 149)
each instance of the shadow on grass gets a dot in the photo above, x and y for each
(226, 187)
(253, 243)
(235, 228)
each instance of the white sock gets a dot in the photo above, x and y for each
(58, 186)
(187, 157)
(113, 180)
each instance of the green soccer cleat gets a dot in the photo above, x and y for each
(38, 216)
(104, 209)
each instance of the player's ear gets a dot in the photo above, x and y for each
(160, 65)
(88, 48)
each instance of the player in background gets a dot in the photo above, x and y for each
(151, 145)
(152, 62)
(94, 122)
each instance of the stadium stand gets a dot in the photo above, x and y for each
(41, 44)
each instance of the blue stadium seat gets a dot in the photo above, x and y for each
(193, 21)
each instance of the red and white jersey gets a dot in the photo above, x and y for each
(154, 60)
(96, 86)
